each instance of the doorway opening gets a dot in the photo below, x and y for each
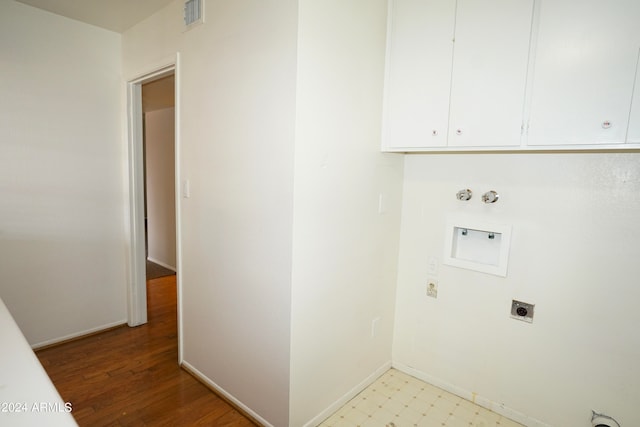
(158, 122)
(153, 174)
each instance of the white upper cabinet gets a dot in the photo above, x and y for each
(490, 60)
(586, 61)
(512, 75)
(418, 74)
(456, 73)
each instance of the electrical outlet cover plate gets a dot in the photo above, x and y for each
(522, 311)
(432, 288)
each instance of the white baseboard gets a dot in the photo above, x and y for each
(78, 334)
(348, 396)
(496, 407)
(165, 265)
(202, 377)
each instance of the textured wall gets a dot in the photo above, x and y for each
(574, 254)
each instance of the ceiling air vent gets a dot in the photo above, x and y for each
(193, 12)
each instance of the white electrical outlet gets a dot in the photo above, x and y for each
(432, 288)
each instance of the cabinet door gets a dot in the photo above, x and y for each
(490, 61)
(633, 136)
(585, 65)
(419, 49)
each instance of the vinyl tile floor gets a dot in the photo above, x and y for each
(400, 400)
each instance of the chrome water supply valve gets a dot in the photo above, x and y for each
(464, 195)
(490, 197)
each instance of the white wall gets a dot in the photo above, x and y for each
(574, 254)
(344, 251)
(237, 79)
(62, 240)
(160, 186)
(236, 82)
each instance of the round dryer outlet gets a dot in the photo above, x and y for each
(522, 311)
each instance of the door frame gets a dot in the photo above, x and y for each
(137, 286)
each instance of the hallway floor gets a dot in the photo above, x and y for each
(131, 377)
(400, 400)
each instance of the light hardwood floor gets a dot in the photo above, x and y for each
(130, 376)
